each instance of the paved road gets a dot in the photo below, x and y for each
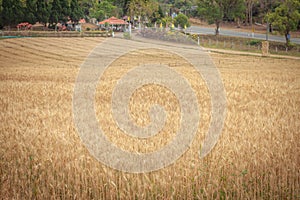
(205, 30)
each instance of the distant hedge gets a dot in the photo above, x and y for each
(56, 34)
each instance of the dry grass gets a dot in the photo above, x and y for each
(257, 156)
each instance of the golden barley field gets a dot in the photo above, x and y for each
(42, 156)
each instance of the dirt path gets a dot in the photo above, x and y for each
(224, 51)
(248, 53)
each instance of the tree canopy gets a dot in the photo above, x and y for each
(215, 11)
(42, 11)
(286, 17)
(12, 12)
(282, 14)
(182, 20)
(103, 10)
(56, 12)
(30, 11)
(75, 11)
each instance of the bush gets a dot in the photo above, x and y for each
(254, 42)
(182, 20)
(126, 35)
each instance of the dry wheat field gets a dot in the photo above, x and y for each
(42, 156)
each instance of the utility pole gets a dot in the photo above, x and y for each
(267, 33)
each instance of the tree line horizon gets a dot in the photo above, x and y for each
(280, 14)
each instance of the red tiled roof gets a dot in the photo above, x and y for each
(113, 21)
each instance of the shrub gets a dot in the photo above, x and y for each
(127, 36)
(254, 42)
(182, 20)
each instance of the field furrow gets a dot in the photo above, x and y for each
(43, 157)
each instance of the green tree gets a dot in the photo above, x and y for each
(55, 13)
(286, 18)
(42, 12)
(167, 21)
(125, 6)
(183, 5)
(1, 23)
(60, 11)
(158, 15)
(86, 6)
(160, 12)
(103, 10)
(12, 12)
(65, 12)
(214, 11)
(233, 9)
(122, 6)
(31, 11)
(182, 20)
(143, 9)
(76, 12)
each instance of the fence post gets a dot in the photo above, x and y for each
(198, 40)
(265, 48)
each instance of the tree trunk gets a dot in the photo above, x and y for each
(287, 38)
(251, 10)
(217, 27)
(238, 22)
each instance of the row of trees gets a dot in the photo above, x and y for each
(285, 16)
(282, 14)
(43, 11)
(54, 11)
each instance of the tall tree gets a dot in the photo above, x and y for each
(183, 5)
(60, 11)
(103, 10)
(214, 11)
(233, 9)
(55, 13)
(143, 9)
(286, 18)
(160, 12)
(122, 5)
(86, 6)
(42, 12)
(1, 22)
(158, 15)
(65, 12)
(266, 6)
(30, 11)
(76, 11)
(12, 12)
